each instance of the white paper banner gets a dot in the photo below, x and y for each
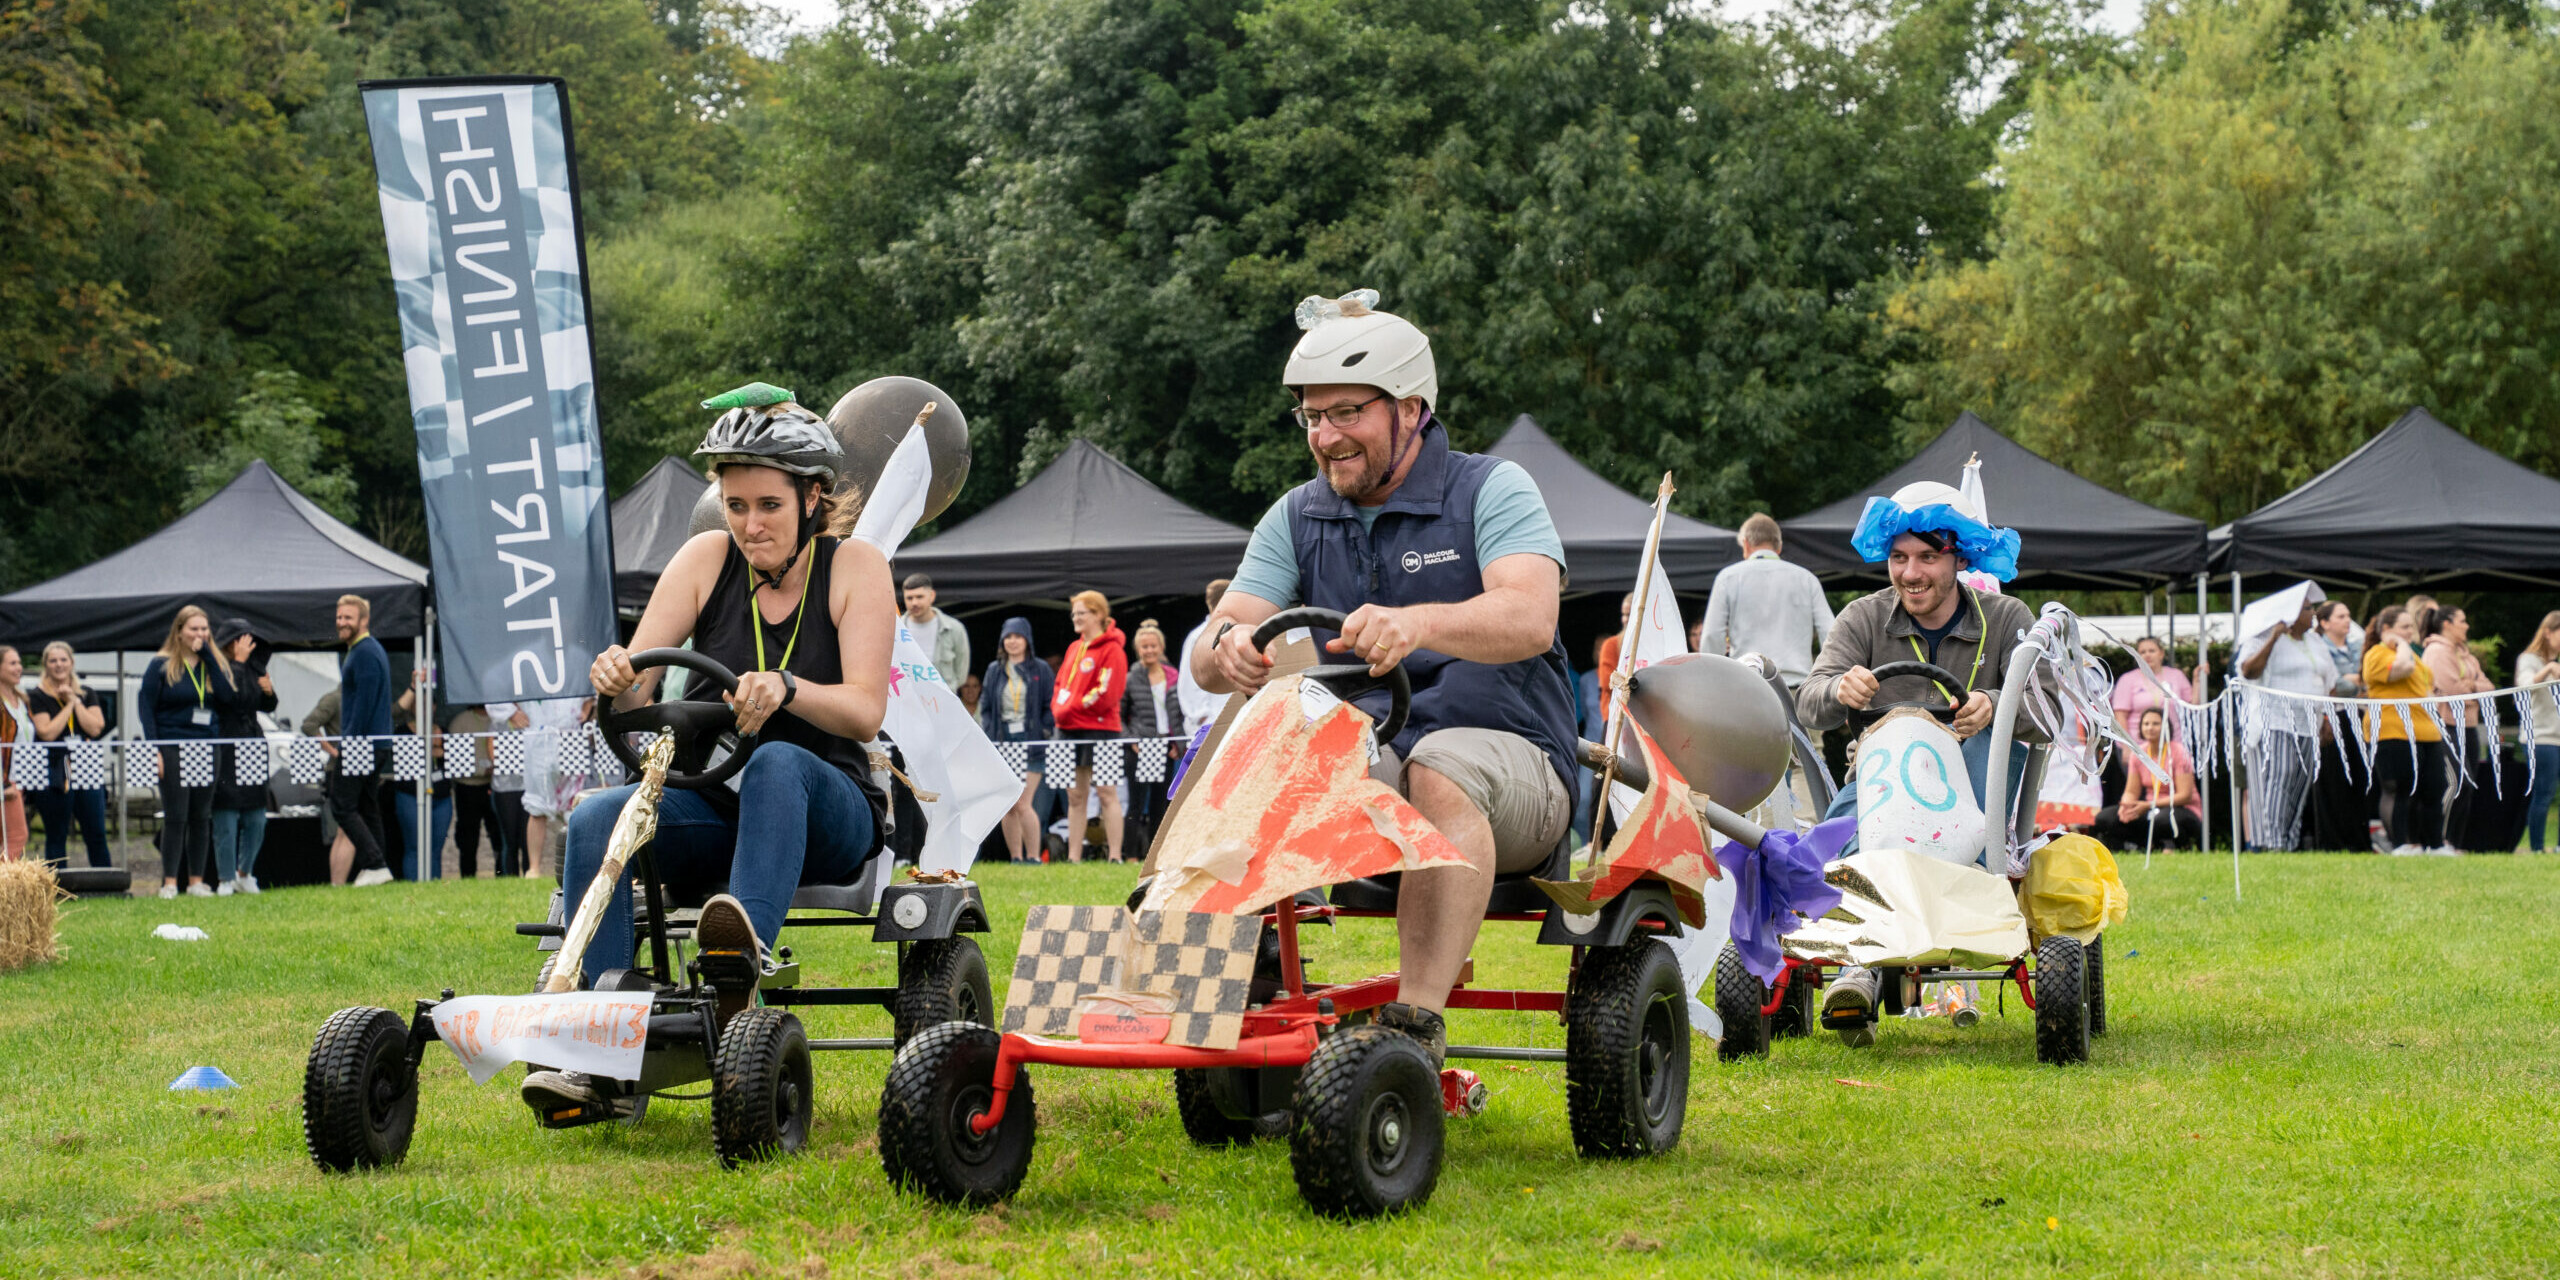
(599, 1032)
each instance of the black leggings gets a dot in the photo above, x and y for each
(2412, 797)
(186, 829)
(472, 813)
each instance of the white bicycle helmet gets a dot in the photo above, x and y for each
(1349, 342)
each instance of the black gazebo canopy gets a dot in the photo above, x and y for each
(1604, 526)
(1085, 523)
(650, 521)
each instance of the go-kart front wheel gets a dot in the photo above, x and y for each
(1368, 1140)
(1740, 996)
(943, 1078)
(1626, 1047)
(942, 980)
(359, 1093)
(761, 1087)
(2062, 1001)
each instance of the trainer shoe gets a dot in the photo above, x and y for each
(226, 889)
(1427, 1028)
(572, 1097)
(364, 879)
(2407, 851)
(168, 888)
(1849, 1003)
(199, 890)
(2444, 851)
(732, 955)
(249, 884)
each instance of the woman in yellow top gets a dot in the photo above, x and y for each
(2408, 783)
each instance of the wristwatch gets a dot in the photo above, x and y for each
(790, 688)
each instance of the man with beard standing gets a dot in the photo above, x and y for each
(1447, 564)
(364, 712)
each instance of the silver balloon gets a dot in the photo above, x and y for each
(870, 421)
(1718, 720)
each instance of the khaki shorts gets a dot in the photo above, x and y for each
(1508, 779)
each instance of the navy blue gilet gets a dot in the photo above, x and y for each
(1422, 550)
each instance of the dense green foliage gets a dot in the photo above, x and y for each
(2196, 264)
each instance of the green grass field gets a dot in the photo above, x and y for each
(2351, 1073)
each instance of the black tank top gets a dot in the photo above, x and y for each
(721, 633)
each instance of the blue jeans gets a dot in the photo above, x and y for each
(439, 821)
(237, 835)
(1977, 768)
(800, 821)
(2546, 783)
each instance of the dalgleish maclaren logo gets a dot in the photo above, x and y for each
(1413, 562)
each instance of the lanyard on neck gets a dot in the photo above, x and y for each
(755, 620)
(1970, 676)
(196, 677)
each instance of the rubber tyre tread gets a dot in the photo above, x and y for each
(1328, 1147)
(942, 980)
(337, 1084)
(1740, 996)
(1208, 1125)
(2062, 1007)
(761, 1048)
(2097, 966)
(1605, 1017)
(919, 1151)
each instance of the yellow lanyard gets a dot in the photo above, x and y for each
(1984, 643)
(196, 677)
(755, 617)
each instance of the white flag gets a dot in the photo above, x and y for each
(947, 753)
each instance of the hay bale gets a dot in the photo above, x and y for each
(27, 895)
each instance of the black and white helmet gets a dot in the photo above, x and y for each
(764, 427)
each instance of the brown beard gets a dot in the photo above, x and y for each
(1372, 476)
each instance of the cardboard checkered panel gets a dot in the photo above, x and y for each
(1067, 953)
(1203, 963)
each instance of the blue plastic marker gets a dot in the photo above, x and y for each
(203, 1078)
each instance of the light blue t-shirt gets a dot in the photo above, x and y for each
(1511, 518)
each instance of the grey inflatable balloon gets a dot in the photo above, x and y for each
(869, 421)
(1719, 721)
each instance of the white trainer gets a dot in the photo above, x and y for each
(168, 888)
(199, 890)
(249, 884)
(379, 875)
(2407, 851)
(225, 889)
(2444, 851)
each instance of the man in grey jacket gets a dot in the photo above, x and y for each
(945, 641)
(1762, 604)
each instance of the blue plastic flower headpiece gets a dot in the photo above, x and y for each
(1931, 507)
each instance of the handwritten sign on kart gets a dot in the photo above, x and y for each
(599, 1032)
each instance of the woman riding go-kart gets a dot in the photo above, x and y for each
(802, 615)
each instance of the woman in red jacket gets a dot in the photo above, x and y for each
(1087, 705)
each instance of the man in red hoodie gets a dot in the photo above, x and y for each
(1087, 705)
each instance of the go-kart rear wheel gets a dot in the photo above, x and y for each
(359, 1093)
(1626, 1046)
(943, 1078)
(942, 980)
(1740, 997)
(2097, 963)
(1368, 1140)
(2062, 1004)
(1800, 1014)
(1195, 1099)
(761, 1087)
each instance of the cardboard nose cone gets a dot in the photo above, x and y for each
(1719, 721)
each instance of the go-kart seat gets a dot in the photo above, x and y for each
(1513, 894)
(859, 898)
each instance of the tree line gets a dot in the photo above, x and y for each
(2196, 264)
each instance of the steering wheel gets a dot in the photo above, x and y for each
(697, 726)
(1346, 680)
(1946, 679)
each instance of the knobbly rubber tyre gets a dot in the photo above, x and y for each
(1626, 1045)
(1369, 1136)
(1800, 1014)
(761, 1087)
(2062, 1004)
(1195, 1099)
(943, 980)
(2097, 965)
(1740, 995)
(942, 1078)
(94, 882)
(359, 1093)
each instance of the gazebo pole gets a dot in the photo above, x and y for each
(2204, 694)
(124, 741)
(2231, 742)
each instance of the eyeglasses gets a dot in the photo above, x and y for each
(1340, 415)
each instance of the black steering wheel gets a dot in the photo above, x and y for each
(1945, 679)
(697, 726)
(1346, 680)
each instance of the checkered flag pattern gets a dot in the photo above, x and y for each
(1016, 756)
(28, 770)
(506, 752)
(1067, 953)
(307, 760)
(1150, 760)
(1201, 961)
(356, 758)
(574, 746)
(250, 764)
(609, 772)
(89, 764)
(195, 764)
(1109, 761)
(1061, 760)
(408, 757)
(460, 750)
(142, 768)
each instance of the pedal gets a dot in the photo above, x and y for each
(730, 970)
(1462, 1092)
(1847, 1019)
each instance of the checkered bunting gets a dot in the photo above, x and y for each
(506, 752)
(408, 757)
(1016, 756)
(1150, 761)
(356, 757)
(307, 760)
(1061, 760)
(89, 764)
(29, 766)
(1109, 761)
(609, 766)
(1202, 962)
(142, 768)
(251, 762)
(574, 745)
(1067, 953)
(195, 764)
(460, 752)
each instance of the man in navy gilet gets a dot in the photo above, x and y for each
(1447, 564)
